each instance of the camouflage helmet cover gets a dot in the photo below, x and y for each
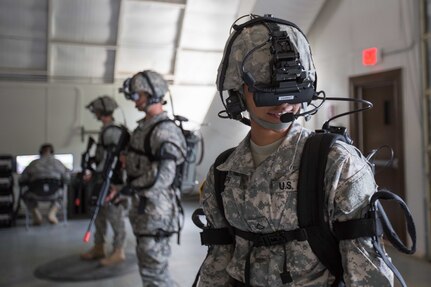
(258, 63)
(151, 83)
(103, 104)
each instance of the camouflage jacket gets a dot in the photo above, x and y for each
(153, 179)
(263, 199)
(45, 167)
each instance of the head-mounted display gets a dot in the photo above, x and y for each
(273, 58)
(289, 82)
(126, 90)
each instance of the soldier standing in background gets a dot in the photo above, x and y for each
(103, 108)
(151, 175)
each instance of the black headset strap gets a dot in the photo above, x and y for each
(153, 91)
(127, 85)
(103, 105)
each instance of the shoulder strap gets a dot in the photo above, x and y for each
(221, 235)
(147, 141)
(104, 129)
(311, 199)
(209, 235)
(220, 177)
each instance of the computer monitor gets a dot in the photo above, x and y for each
(22, 161)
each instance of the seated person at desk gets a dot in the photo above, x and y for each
(47, 167)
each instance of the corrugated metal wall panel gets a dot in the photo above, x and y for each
(85, 21)
(78, 63)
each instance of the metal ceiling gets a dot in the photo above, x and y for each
(101, 41)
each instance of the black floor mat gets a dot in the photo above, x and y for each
(72, 268)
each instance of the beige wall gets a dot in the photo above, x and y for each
(31, 114)
(342, 30)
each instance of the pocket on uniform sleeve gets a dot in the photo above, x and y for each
(356, 193)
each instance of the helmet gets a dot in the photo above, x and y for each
(105, 105)
(150, 82)
(273, 57)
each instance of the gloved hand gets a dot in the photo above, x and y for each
(127, 190)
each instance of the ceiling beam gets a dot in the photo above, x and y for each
(48, 40)
(178, 39)
(202, 50)
(24, 71)
(175, 3)
(86, 44)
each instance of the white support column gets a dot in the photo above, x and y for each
(426, 101)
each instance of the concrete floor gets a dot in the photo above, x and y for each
(22, 251)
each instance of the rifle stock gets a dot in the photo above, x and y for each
(102, 194)
(85, 164)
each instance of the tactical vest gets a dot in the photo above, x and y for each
(103, 148)
(159, 155)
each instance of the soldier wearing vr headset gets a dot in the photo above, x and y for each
(267, 70)
(155, 150)
(103, 108)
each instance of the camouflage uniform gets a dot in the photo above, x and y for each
(46, 167)
(114, 214)
(263, 199)
(154, 214)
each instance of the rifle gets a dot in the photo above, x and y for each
(86, 162)
(108, 168)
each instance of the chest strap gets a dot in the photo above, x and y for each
(270, 239)
(212, 236)
(137, 151)
(274, 238)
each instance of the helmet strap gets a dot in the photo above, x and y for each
(268, 125)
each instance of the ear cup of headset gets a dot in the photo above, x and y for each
(235, 105)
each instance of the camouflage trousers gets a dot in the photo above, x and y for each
(115, 216)
(153, 258)
(31, 200)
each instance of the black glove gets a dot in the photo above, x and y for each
(127, 190)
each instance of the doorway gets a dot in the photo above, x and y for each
(382, 126)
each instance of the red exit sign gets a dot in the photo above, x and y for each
(370, 56)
